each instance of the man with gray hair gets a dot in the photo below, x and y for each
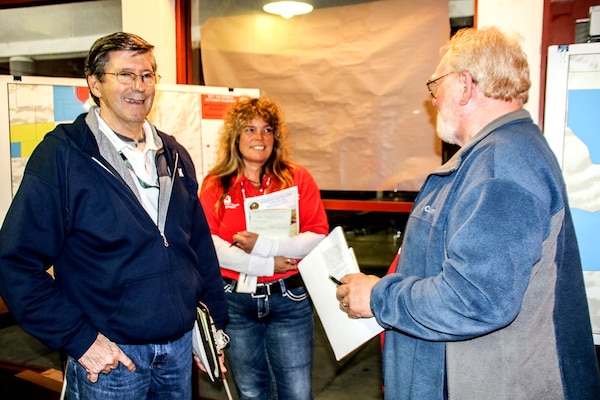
(487, 300)
(111, 203)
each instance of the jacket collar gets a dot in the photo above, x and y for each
(454, 162)
(82, 134)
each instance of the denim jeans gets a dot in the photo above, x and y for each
(163, 371)
(270, 352)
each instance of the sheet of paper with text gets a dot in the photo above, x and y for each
(332, 257)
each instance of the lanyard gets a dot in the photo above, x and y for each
(263, 187)
(143, 183)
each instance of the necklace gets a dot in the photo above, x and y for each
(256, 184)
(262, 189)
(133, 142)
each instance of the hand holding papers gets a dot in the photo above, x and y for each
(204, 345)
(332, 257)
(274, 215)
(208, 344)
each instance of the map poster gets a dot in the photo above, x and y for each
(571, 126)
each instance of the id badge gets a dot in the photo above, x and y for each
(246, 283)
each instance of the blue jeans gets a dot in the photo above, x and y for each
(163, 371)
(271, 344)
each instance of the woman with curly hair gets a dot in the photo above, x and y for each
(270, 319)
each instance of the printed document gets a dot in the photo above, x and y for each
(332, 257)
(273, 215)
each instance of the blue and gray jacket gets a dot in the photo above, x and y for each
(488, 299)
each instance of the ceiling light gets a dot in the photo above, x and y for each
(287, 9)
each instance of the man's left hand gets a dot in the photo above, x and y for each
(354, 294)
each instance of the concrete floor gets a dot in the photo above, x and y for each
(357, 376)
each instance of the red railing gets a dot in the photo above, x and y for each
(368, 205)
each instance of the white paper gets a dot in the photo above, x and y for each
(286, 199)
(198, 347)
(333, 257)
(272, 223)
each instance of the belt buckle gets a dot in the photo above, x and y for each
(262, 295)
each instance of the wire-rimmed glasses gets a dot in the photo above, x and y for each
(127, 78)
(433, 85)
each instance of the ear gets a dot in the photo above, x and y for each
(468, 86)
(93, 84)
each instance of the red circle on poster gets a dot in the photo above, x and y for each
(82, 93)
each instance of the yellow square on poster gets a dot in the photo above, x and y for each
(22, 133)
(29, 136)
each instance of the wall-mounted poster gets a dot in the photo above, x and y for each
(30, 107)
(572, 127)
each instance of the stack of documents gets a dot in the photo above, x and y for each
(204, 345)
(332, 257)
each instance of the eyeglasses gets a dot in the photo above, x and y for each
(127, 78)
(433, 85)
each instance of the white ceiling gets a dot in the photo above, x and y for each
(51, 31)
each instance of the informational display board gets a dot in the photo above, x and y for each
(571, 126)
(30, 107)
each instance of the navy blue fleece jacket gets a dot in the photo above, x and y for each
(115, 271)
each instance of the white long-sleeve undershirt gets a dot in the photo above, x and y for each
(261, 262)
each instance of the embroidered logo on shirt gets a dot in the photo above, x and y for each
(228, 204)
(428, 209)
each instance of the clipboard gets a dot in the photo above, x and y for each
(333, 258)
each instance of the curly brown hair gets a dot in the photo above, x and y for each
(230, 163)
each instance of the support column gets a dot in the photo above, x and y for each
(154, 20)
(524, 17)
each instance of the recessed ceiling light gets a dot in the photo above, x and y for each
(287, 9)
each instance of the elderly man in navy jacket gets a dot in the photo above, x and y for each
(111, 203)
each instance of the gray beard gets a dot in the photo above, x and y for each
(446, 130)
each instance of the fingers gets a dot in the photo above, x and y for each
(284, 264)
(199, 364)
(344, 305)
(291, 263)
(341, 292)
(222, 363)
(103, 357)
(92, 377)
(354, 294)
(126, 361)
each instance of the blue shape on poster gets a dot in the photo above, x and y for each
(15, 149)
(66, 104)
(584, 119)
(586, 228)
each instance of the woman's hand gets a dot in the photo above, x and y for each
(283, 264)
(245, 240)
